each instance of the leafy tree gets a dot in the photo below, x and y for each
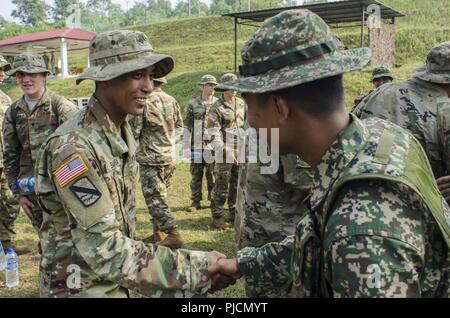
(59, 8)
(30, 12)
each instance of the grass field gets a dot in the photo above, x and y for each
(194, 227)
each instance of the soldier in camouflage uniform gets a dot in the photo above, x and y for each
(86, 173)
(194, 120)
(380, 76)
(9, 207)
(376, 224)
(269, 206)
(421, 105)
(27, 123)
(224, 119)
(155, 131)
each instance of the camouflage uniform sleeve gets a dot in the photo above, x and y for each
(268, 266)
(213, 130)
(443, 129)
(188, 117)
(374, 245)
(66, 109)
(13, 149)
(97, 236)
(178, 117)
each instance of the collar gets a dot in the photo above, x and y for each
(119, 146)
(343, 150)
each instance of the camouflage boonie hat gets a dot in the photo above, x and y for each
(437, 67)
(226, 78)
(4, 64)
(292, 48)
(160, 80)
(380, 72)
(208, 79)
(114, 53)
(28, 63)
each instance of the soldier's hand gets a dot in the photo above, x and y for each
(222, 273)
(26, 206)
(444, 186)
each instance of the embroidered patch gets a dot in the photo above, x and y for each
(85, 191)
(70, 170)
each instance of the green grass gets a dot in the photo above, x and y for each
(195, 229)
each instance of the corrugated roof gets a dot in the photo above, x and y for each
(330, 12)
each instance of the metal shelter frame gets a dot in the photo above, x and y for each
(337, 14)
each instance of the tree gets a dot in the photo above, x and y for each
(30, 12)
(198, 8)
(59, 9)
(3, 22)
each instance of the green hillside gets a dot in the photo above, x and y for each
(205, 44)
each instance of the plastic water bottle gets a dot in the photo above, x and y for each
(12, 269)
(25, 185)
(2, 258)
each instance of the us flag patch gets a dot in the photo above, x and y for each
(70, 170)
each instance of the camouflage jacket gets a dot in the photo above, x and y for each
(155, 129)
(25, 131)
(420, 107)
(196, 111)
(5, 102)
(269, 207)
(379, 239)
(89, 217)
(223, 122)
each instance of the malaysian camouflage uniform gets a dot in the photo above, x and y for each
(155, 131)
(269, 206)
(196, 110)
(420, 106)
(89, 221)
(24, 131)
(9, 207)
(378, 72)
(376, 225)
(222, 124)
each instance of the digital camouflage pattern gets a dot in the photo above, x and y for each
(4, 64)
(28, 63)
(196, 111)
(223, 123)
(379, 236)
(380, 72)
(437, 66)
(91, 219)
(423, 108)
(208, 79)
(269, 206)
(118, 52)
(288, 40)
(9, 207)
(24, 132)
(155, 131)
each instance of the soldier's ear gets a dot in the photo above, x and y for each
(281, 107)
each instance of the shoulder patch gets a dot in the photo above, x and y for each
(85, 191)
(69, 170)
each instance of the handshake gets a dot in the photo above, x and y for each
(223, 271)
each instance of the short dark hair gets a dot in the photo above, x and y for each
(318, 98)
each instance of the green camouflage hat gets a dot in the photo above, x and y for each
(208, 79)
(4, 64)
(380, 72)
(437, 67)
(226, 78)
(28, 63)
(114, 53)
(160, 80)
(292, 48)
